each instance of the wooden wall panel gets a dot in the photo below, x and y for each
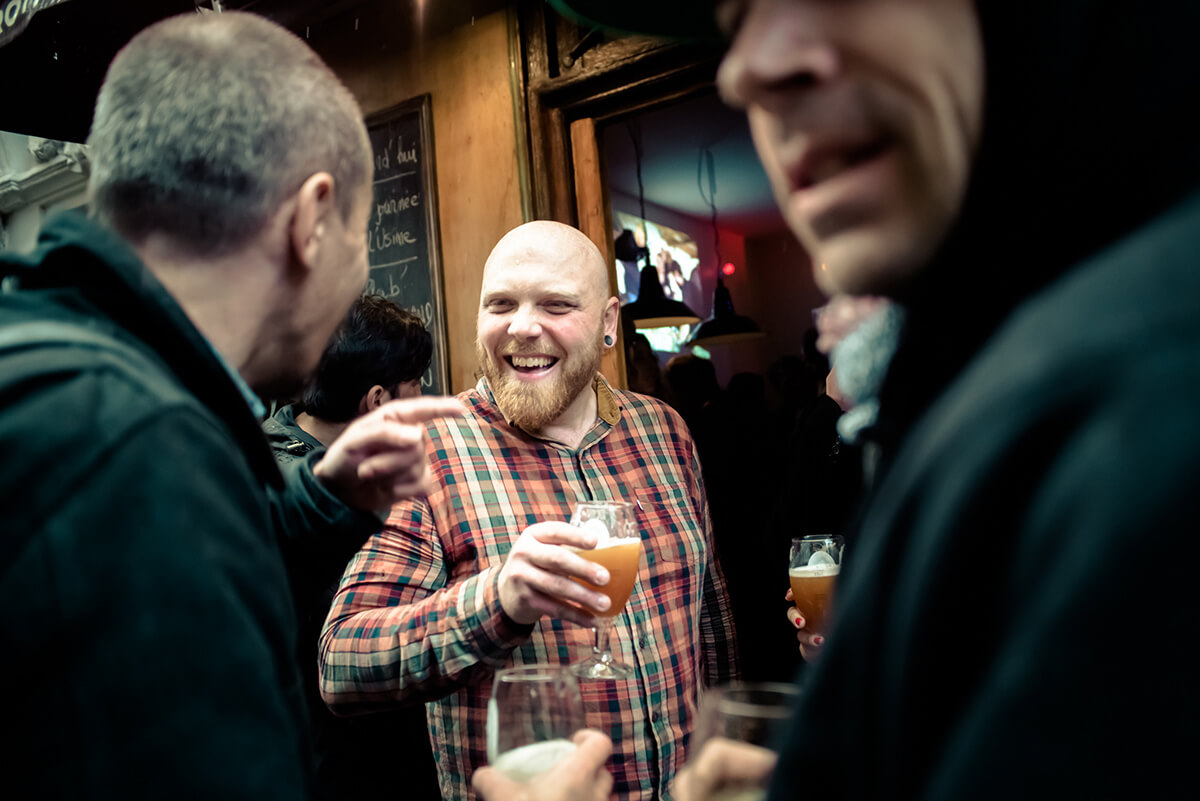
(466, 72)
(595, 220)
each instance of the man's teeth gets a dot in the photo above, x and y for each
(532, 361)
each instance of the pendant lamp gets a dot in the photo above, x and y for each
(652, 309)
(725, 326)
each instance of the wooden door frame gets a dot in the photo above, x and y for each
(568, 84)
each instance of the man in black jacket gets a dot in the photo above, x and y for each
(1024, 179)
(148, 627)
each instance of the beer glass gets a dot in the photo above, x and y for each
(533, 715)
(619, 550)
(813, 568)
(748, 712)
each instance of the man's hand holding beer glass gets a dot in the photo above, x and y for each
(536, 578)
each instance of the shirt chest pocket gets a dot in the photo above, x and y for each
(676, 559)
(670, 527)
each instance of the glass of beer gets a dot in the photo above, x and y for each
(533, 715)
(813, 568)
(619, 550)
(753, 713)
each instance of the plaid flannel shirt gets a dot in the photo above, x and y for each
(418, 618)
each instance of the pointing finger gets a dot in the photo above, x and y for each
(421, 410)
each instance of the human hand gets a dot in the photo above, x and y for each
(578, 777)
(535, 579)
(380, 457)
(810, 644)
(723, 764)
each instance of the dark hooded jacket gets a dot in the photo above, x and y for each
(342, 746)
(146, 617)
(1017, 618)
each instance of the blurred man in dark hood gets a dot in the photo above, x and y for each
(1024, 179)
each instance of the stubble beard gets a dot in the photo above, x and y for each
(534, 406)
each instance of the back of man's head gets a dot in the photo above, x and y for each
(379, 343)
(205, 124)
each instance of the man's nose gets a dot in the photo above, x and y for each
(781, 45)
(525, 323)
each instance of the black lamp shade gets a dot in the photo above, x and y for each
(725, 327)
(653, 309)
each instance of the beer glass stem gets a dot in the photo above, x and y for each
(600, 649)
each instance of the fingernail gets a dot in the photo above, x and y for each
(601, 577)
(603, 603)
(799, 622)
(818, 640)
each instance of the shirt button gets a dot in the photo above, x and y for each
(654, 716)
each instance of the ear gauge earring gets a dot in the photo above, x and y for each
(608, 341)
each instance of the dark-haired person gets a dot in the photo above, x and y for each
(378, 354)
(1023, 178)
(148, 627)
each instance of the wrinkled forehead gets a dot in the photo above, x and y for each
(552, 257)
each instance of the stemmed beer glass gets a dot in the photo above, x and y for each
(619, 550)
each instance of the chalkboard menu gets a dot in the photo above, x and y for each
(405, 251)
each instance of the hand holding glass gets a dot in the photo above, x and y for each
(533, 714)
(813, 567)
(749, 714)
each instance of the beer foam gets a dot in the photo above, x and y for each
(597, 528)
(820, 558)
(522, 764)
(814, 571)
(616, 542)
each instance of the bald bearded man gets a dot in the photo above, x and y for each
(473, 578)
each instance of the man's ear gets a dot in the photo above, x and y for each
(375, 397)
(310, 224)
(612, 318)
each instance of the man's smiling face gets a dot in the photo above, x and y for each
(541, 321)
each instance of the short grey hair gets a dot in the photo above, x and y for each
(205, 124)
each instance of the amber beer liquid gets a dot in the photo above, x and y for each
(812, 591)
(620, 558)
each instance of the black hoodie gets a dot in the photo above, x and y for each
(1017, 618)
(147, 621)
(1090, 129)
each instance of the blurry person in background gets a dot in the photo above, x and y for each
(693, 383)
(1037, 422)
(378, 354)
(642, 369)
(148, 625)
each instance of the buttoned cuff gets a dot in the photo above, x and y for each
(495, 634)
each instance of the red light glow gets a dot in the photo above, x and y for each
(729, 269)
